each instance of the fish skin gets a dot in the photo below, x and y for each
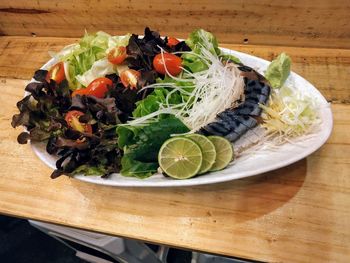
(248, 108)
(232, 123)
(259, 98)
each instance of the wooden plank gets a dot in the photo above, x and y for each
(21, 56)
(263, 22)
(299, 213)
(327, 69)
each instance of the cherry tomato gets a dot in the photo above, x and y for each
(172, 41)
(72, 119)
(117, 55)
(56, 73)
(97, 88)
(169, 61)
(129, 78)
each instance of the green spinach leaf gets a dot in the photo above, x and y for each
(141, 145)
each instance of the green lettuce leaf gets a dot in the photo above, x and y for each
(193, 63)
(278, 70)
(201, 38)
(230, 58)
(99, 68)
(146, 106)
(141, 145)
(197, 40)
(152, 102)
(134, 168)
(88, 170)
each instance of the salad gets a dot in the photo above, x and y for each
(138, 105)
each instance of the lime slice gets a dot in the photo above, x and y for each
(208, 151)
(180, 158)
(224, 152)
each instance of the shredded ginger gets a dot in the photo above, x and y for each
(289, 114)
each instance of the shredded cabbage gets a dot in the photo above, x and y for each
(289, 114)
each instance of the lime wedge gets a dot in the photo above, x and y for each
(180, 158)
(208, 151)
(224, 152)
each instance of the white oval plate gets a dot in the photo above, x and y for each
(251, 165)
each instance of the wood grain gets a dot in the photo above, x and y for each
(299, 213)
(327, 69)
(268, 22)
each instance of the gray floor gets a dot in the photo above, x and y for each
(22, 243)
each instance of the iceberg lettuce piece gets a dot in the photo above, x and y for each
(80, 58)
(118, 41)
(99, 69)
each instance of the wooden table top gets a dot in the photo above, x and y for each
(298, 213)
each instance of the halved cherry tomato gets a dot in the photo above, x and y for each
(72, 119)
(97, 88)
(129, 78)
(56, 73)
(172, 41)
(117, 55)
(169, 61)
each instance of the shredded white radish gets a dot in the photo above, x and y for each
(221, 87)
(215, 89)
